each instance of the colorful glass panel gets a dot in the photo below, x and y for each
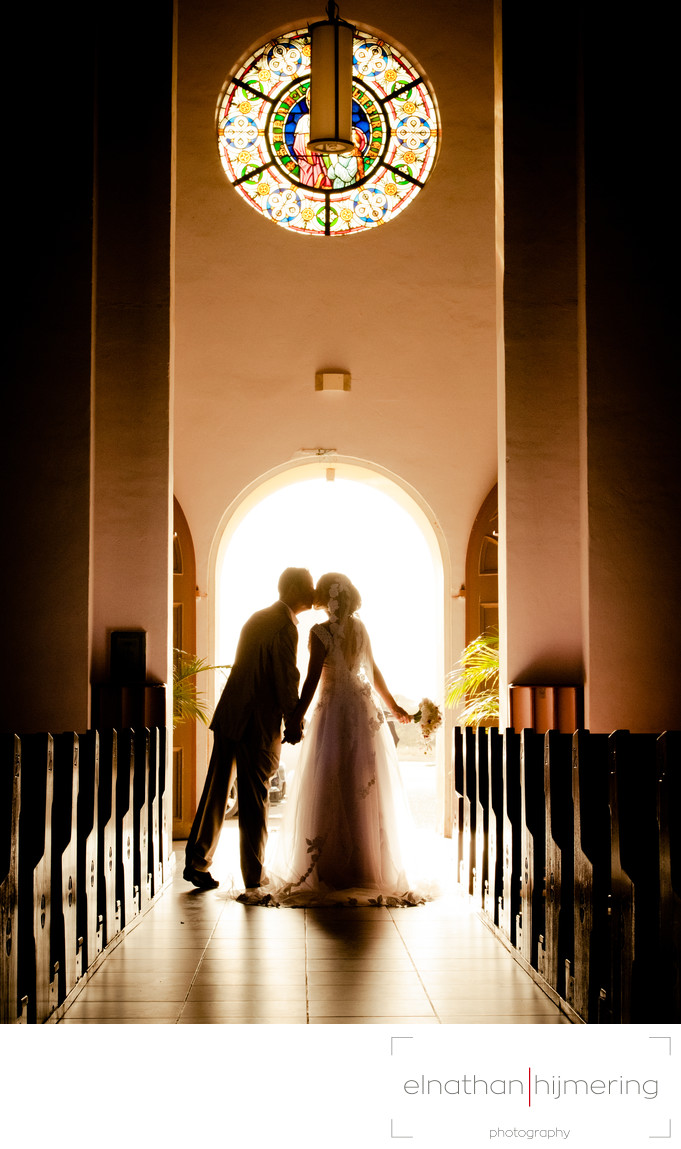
(263, 133)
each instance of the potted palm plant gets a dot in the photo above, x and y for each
(475, 682)
(188, 703)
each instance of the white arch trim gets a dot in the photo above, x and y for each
(389, 483)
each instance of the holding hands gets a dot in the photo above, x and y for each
(293, 730)
(293, 734)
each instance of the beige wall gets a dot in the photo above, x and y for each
(589, 475)
(411, 311)
(46, 395)
(87, 521)
(408, 308)
(132, 514)
(588, 415)
(539, 399)
(632, 461)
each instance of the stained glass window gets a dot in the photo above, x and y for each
(263, 132)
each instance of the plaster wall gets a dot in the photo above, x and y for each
(540, 601)
(47, 517)
(590, 481)
(131, 437)
(408, 309)
(632, 465)
(46, 394)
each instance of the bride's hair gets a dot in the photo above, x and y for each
(337, 588)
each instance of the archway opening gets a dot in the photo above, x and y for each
(333, 516)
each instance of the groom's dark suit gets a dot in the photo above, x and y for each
(261, 688)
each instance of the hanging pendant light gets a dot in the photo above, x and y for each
(331, 84)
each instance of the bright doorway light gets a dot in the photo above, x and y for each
(348, 526)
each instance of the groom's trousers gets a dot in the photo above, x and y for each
(253, 760)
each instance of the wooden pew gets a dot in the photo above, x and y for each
(510, 904)
(37, 978)
(154, 802)
(129, 706)
(142, 740)
(108, 904)
(469, 810)
(588, 981)
(457, 800)
(669, 820)
(634, 862)
(532, 830)
(90, 922)
(481, 845)
(66, 940)
(127, 893)
(166, 806)
(557, 952)
(10, 806)
(495, 852)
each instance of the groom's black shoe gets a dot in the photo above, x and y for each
(199, 878)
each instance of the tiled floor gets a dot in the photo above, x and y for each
(201, 957)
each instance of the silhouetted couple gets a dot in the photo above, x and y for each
(346, 826)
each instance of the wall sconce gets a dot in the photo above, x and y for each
(332, 381)
(331, 84)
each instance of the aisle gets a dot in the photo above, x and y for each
(201, 957)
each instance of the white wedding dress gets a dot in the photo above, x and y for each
(347, 835)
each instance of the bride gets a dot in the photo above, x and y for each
(347, 831)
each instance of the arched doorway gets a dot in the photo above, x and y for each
(341, 514)
(482, 570)
(184, 638)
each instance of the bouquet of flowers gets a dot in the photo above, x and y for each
(429, 717)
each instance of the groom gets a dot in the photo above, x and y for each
(261, 688)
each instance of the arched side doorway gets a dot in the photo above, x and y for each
(482, 570)
(184, 638)
(429, 602)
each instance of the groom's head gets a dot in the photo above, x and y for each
(296, 588)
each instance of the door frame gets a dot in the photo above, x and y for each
(184, 634)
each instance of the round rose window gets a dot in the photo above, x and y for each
(263, 134)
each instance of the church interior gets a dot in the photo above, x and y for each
(506, 348)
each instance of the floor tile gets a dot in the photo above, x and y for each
(283, 1012)
(116, 1021)
(456, 981)
(200, 958)
(387, 1019)
(264, 947)
(208, 975)
(361, 991)
(157, 947)
(129, 992)
(396, 981)
(364, 1008)
(492, 1019)
(498, 1005)
(150, 963)
(476, 969)
(253, 959)
(360, 965)
(150, 982)
(206, 991)
(281, 944)
(190, 930)
(142, 1011)
(213, 1020)
(485, 995)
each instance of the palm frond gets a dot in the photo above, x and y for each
(188, 702)
(475, 682)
